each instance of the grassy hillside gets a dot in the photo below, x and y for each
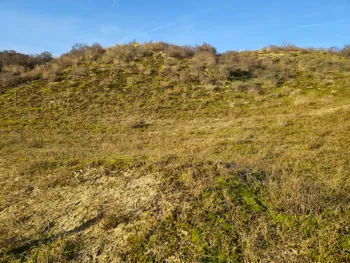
(160, 153)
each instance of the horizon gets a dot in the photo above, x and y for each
(56, 27)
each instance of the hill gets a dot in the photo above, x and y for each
(159, 153)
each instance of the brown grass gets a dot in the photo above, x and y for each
(138, 161)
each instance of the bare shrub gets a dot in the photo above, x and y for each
(203, 60)
(205, 55)
(51, 72)
(345, 51)
(78, 50)
(284, 47)
(11, 57)
(14, 69)
(238, 66)
(205, 48)
(81, 52)
(149, 48)
(9, 80)
(180, 52)
(68, 61)
(127, 52)
(94, 52)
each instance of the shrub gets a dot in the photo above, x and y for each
(127, 52)
(28, 62)
(51, 72)
(81, 52)
(238, 66)
(204, 56)
(276, 71)
(284, 47)
(68, 60)
(345, 51)
(180, 52)
(149, 48)
(205, 48)
(78, 50)
(14, 69)
(203, 60)
(8, 80)
(94, 52)
(44, 57)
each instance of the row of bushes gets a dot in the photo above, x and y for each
(201, 64)
(16, 68)
(14, 62)
(345, 51)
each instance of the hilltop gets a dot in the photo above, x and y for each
(161, 153)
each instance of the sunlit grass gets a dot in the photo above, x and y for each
(117, 162)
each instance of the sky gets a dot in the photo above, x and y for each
(40, 25)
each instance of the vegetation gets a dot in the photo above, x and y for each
(160, 153)
(14, 67)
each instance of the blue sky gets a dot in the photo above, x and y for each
(38, 25)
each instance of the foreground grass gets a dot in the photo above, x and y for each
(134, 171)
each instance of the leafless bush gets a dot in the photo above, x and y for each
(284, 47)
(127, 52)
(276, 71)
(237, 66)
(14, 69)
(345, 51)
(203, 60)
(180, 52)
(51, 72)
(13, 58)
(94, 52)
(80, 53)
(205, 55)
(8, 80)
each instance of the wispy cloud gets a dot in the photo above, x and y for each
(173, 23)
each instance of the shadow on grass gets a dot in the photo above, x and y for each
(20, 250)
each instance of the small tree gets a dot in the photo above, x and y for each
(46, 56)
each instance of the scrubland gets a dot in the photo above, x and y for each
(159, 153)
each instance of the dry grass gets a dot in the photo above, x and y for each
(123, 165)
